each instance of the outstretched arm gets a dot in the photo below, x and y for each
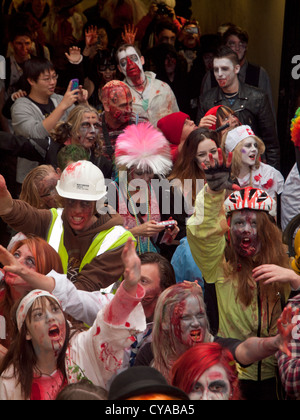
(36, 280)
(270, 273)
(6, 200)
(254, 348)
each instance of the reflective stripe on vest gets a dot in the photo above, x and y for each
(106, 240)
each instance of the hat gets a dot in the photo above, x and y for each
(171, 125)
(252, 199)
(139, 380)
(213, 111)
(235, 136)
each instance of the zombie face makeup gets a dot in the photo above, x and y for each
(249, 151)
(138, 173)
(88, 130)
(206, 147)
(46, 327)
(17, 285)
(192, 323)
(243, 233)
(80, 214)
(131, 65)
(120, 105)
(225, 72)
(47, 190)
(212, 385)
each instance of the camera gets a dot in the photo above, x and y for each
(162, 9)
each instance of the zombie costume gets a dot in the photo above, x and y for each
(156, 101)
(206, 236)
(289, 367)
(95, 354)
(99, 272)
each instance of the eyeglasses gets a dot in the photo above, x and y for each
(191, 30)
(49, 193)
(50, 78)
(110, 67)
(237, 45)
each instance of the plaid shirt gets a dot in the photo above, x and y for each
(289, 367)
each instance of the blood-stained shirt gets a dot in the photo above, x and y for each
(155, 102)
(97, 353)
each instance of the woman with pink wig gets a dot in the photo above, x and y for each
(143, 159)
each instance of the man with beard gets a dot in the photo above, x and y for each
(242, 307)
(152, 98)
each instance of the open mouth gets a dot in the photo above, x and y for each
(77, 220)
(196, 336)
(252, 157)
(54, 332)
(245, 242)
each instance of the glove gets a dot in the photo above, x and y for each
(218, 178)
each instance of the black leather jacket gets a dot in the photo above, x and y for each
(254, 109)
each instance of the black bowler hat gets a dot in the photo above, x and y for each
(139, 380)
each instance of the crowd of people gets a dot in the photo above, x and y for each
(142, 210)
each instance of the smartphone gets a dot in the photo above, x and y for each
(167, 223)
(75, 84)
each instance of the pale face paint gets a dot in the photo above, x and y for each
(249, 151)
(46, 328)
(193, 323)
(89, 130)
(131, 65)
(212, 385)
(225, 72)
(243, 233)
(206, 147)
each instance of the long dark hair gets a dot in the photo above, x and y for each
(22, 357)
(186, 166)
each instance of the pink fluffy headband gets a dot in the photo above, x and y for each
(145, 147)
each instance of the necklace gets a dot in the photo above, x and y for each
(140, 243)
(141, 93)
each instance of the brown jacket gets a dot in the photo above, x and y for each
(101, 272)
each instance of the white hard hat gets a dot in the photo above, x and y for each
(82, 180)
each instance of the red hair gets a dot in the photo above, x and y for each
(46, 257)
(196, 360)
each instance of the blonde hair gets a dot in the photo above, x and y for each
(237, 155)
(75, 120)
(166, 324)
(30, 187)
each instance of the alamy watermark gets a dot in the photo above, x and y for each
(140, 196)
(296, 69)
